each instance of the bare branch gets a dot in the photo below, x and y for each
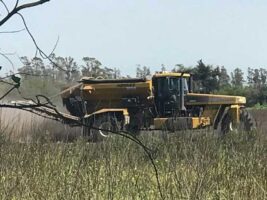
(17, 31)
(54, 48)
(17, 2)
(6, 82)
(21, 73)
(9, 54)
(38, 49)
(10, 90)
(17, 8)
(5, 5)
(7, 58)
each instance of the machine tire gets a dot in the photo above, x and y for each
(246, 124)
(102, 123)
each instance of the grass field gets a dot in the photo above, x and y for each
(191, 165)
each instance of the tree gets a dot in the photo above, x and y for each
(142, 72)
(27, 66)
(182, 68)
(206, 78)
(38, 66)
(70, 68)
(263, 73)
(116, 73)
(237, 77)
(250, 76)
(224, 78)
(257, 77)
(106, 73)
(92, 67)
(163, 68)
(257, 84)
(58, 74)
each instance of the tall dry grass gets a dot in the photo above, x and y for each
(191, 165)
(260, 116)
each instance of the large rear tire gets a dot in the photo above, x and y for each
(247, 122)
(226, 125)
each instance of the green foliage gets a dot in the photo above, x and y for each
(182, 68)
(237, 77)
(206, 77)
(210, 79)
(259, 106)
(224, 78)
(16, 79)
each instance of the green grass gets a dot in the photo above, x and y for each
(191, 166)
(259, 107)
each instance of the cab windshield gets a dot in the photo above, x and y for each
(174, 84)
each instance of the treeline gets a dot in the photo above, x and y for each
(212, 79)
(42, 76)
(66, 69)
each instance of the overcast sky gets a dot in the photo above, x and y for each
(123, 33)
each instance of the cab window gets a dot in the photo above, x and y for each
(173, 83)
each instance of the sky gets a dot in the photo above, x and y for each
(125, 33)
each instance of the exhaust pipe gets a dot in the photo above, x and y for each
(181, 102)
(190, 86)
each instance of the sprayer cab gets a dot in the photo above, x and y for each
(170, 90)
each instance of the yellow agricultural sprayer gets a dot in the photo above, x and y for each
(166, 102)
